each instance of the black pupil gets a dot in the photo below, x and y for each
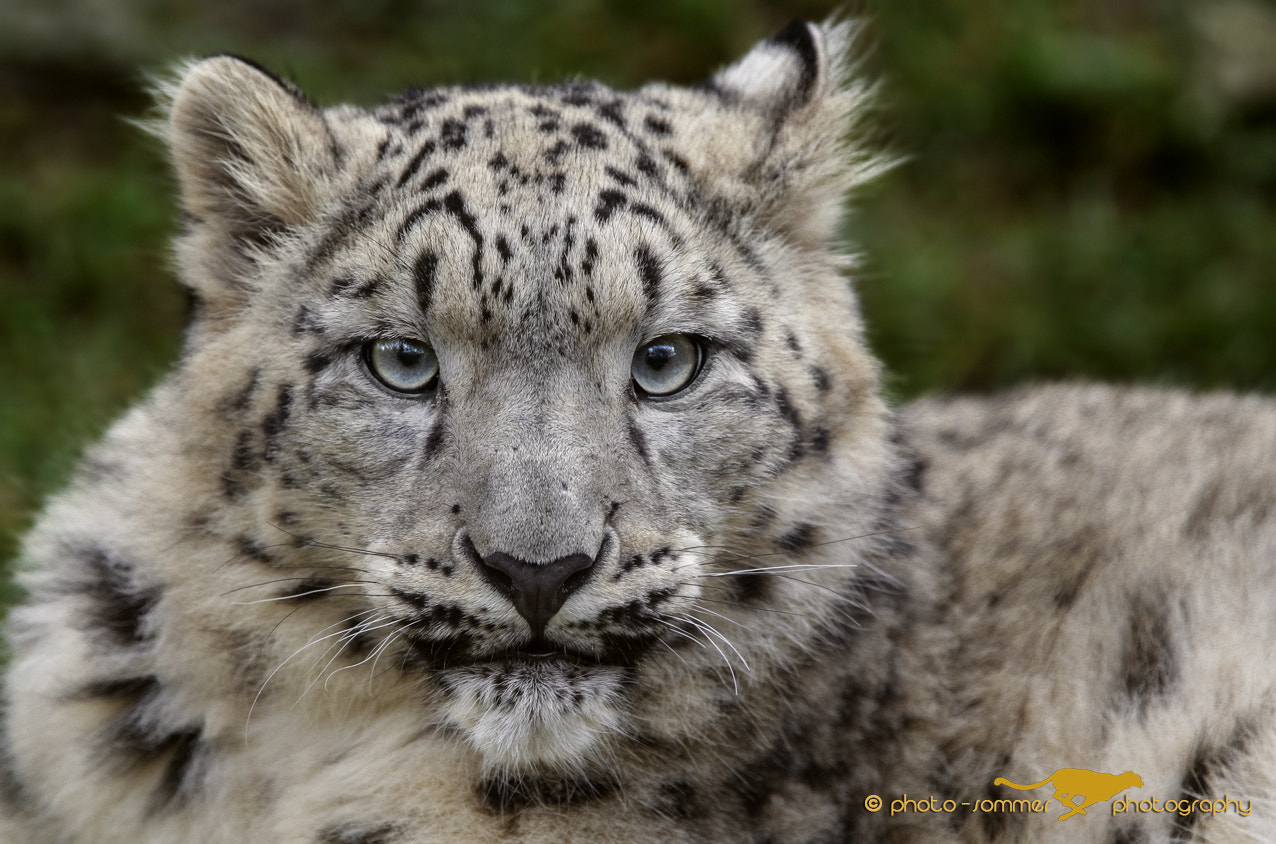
(660, 356)
(409, 356)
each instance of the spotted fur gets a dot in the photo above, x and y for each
(535, 601)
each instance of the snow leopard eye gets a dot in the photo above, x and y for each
(666, 365)
(405, 366)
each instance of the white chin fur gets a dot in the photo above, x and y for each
(529, 716)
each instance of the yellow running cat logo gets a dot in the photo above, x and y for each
(1090, 786)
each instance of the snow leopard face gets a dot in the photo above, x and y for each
(524, 384)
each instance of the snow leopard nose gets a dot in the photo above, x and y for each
(537, 590)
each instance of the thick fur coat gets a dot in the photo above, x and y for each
(526, 478)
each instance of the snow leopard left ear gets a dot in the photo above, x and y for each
(253, 158)
(794, 105)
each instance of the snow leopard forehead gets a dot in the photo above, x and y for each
(543, 216)
(461, 182)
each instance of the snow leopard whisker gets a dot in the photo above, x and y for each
(306, 542)
(737, 554)
(777, 569)
(684, 634)
(319, 567)
(777, 574)
(317, 590)
(342, 637)
(735, 604)
(314, 640)
(364, 627)
(735, 684)
(384, 646)
(711, 633)
(292, 546)
(671, 650)
(710, 629)
(390, 622)
(728, 619)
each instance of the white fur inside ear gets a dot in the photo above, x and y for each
(769, 73)
(246, 146)
(786, 131)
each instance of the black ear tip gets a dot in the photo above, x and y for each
(286, 84)
(797, 36)
(795, 31)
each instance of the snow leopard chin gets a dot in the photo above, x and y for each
(534, 715)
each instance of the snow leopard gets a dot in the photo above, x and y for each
(526, 476)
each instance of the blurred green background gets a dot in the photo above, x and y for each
(1089, 187)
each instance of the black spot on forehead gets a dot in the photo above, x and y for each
(650, 271)
(619, 176)
(424, 272)
(642, 209)
(657, 125)
(676, 160)
(414, 164)
(613, 112)
(608, 202)
(555, 153)
(435, 179)
(453, 135)
(503, 249)
(589, 136)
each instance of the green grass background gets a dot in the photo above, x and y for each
(1089, 187)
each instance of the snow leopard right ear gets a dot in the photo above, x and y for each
(783, 150)
(253, 157)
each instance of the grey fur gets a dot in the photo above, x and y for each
(290, 611)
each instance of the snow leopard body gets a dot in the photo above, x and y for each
(526, 478)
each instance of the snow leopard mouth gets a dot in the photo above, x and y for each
(462, 653)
